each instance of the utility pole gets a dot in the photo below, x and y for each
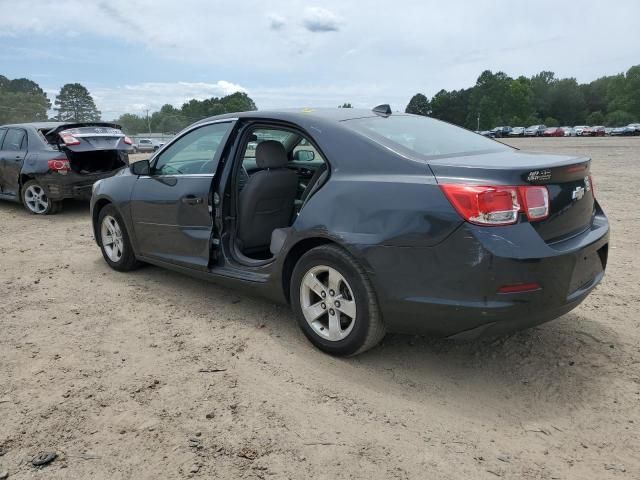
(148, 121)
(478, 121)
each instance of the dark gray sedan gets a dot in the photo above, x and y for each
(364, 221)
(43, 163)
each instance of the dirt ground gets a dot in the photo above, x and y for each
(156, 375)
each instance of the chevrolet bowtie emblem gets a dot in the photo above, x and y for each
(578, 193)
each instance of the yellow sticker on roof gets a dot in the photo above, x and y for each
(307, 110)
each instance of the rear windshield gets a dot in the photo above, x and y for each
(423, 135)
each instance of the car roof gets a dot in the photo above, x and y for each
(298, 115)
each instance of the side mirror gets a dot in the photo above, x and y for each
(304, 155)
(141, 167)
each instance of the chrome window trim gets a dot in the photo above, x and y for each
(200, 175)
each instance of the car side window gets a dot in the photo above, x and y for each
(15, 140)
(3, 132)
(192, 153)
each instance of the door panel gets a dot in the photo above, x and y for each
(12, 155)
(171, 208)
(172, 220)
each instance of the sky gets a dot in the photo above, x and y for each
(135, 55)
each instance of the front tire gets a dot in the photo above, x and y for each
(334, 302)
(36, 200)
(114, 241)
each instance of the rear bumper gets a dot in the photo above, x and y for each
(71, 185)
(451, 290)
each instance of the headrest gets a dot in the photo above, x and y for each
(271, 154)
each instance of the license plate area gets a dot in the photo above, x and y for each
(588, 267)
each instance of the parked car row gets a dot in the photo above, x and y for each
(577, 131)
(365, 222)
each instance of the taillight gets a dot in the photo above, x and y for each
(68, 138)
(535, 202)
(497, 205)
(127, 140)
(60, 165)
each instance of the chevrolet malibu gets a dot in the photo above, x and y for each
(365, 222)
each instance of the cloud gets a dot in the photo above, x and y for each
(317, 19)
(276, 22)
(136, 98)
(284, 54)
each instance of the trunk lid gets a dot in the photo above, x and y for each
(90, 136)
(92, 148)
(567, 178)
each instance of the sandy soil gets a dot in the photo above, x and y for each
(156, 375)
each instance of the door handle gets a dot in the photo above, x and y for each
(192, 200)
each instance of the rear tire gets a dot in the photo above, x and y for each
(36, 201)
(114, 241)
(334, 302)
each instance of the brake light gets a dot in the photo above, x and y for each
(535, 202)
(68, 138)
(497, 205)
(60, 165)
(127, 140)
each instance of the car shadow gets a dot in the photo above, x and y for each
(547, 370)
(69, 208)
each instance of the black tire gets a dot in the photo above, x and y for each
(52, 207)
(368, 328)
(127, 260)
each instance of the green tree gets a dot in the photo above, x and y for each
(566, 102)
(419, 105)
(452, 107)
(619, 118)
(132, 124)
(551, 122)
(74, 103)
(22, 100)
(541, 87)
(238, 102)
(595, 118)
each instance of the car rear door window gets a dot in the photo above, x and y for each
(15, 140)
(3, 132)
(193, 153)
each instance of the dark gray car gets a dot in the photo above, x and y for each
(364, 221)
(43, 163)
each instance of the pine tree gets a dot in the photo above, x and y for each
(74, 103)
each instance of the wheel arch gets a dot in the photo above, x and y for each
(24, 178)
(97, 208)
(295, 253)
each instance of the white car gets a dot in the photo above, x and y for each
(568, 131)
(580, 129)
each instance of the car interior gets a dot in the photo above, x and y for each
(279, 171)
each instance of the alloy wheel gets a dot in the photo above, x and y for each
(328, 303)
(36, 199)
(112, 241)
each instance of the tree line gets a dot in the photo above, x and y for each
(170, 119)
(22, 100)
(498, 99)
